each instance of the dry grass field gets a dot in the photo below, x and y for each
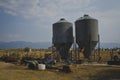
(9, 71)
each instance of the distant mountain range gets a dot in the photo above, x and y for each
(110, 45)
(23, 44)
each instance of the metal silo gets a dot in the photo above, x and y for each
(86, 34)
(63, 37)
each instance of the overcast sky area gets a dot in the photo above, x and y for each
(31, 20)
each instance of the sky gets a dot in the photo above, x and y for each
(31, 20)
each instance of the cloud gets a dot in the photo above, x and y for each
(45, 12)
(41, 8)
(108, 24)
(10, 37)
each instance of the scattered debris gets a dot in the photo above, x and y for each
(66, 69)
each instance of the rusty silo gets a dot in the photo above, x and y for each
(86, 34)
(63, 37)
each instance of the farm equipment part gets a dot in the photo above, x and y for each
(115, 58)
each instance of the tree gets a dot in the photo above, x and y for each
(26, 49)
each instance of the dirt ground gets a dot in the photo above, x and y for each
(10, 71)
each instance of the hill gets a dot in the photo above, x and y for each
(110, 45)
(23, 44)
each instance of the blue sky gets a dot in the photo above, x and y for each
(31, 20)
